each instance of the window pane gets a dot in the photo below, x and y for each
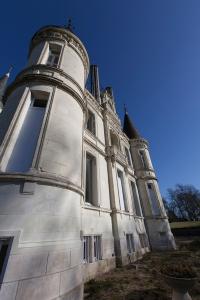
(121, 190)
(153, 199)
(91, 122)
(135, 198)
(90, 187)
(143, 159)
(21, 157)
(97, 247)
(128, 156)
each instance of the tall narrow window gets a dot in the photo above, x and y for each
(153, 199)
(25, 145)
(143, 159)
(54, 54)
(135, 199)
(97, 247)
(91, 122)
(143, 240)
(128, 156)
(121, 191)
(130, 243)
(5, 244)
(90, 180)
(87, 249)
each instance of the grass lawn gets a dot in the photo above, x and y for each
(187, 224)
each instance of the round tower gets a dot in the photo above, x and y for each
(157, 225)
(41, 185)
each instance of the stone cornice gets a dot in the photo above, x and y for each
(139, 143)
(45, 68)
(55, 33)
(43, 178)
(44, 79)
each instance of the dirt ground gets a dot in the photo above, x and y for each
(142, 280)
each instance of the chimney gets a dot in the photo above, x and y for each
(95, 89)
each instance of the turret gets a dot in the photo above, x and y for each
(41, 167)
(160, 235)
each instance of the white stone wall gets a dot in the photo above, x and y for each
(47, 245)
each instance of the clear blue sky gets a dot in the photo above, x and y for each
(149, 51)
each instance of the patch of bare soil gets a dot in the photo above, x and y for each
(142, 280)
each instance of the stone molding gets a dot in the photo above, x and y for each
(139, 143)
(45, 68)
(64, 35)
(43, 178)
(44, 79)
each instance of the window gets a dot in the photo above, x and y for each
(130, 243)
(91, 248)
(143, 159)
(87, 249)
(29, 127)
(90, 180)
(135, 199)
(143, 240)
(97, 247)
(153, 199)
(5, 245)
(121, 191)
(128, 156)
(91, 122)
(54, 54)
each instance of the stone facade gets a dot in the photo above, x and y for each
(75, 196)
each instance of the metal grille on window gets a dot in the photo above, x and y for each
(130, 243)
(97, 247)
(86, 248)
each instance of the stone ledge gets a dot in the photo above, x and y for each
(41, 178)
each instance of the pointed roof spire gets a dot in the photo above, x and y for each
(3, 83)
(128, 128)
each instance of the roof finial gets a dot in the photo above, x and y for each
(125, 110)
(9, 70)
(69, 25)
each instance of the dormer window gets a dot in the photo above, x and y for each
(54, 55)
(91, 122)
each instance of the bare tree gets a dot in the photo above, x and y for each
(184, 202)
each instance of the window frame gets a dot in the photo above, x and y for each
(130, 243)
(9, 242)
(123, 205)
(93, 191)
(136, 204)
(153, 198)
(91, 122)
(143, 158)
(54, 55)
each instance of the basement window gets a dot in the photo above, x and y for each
(87, 249)
(130, 243)
(97, 247)
(5, 245)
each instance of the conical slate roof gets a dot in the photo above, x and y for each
(3, 83)
(129, 129)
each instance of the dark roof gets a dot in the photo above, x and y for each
(129, 129)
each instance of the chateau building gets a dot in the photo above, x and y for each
(78, 193)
